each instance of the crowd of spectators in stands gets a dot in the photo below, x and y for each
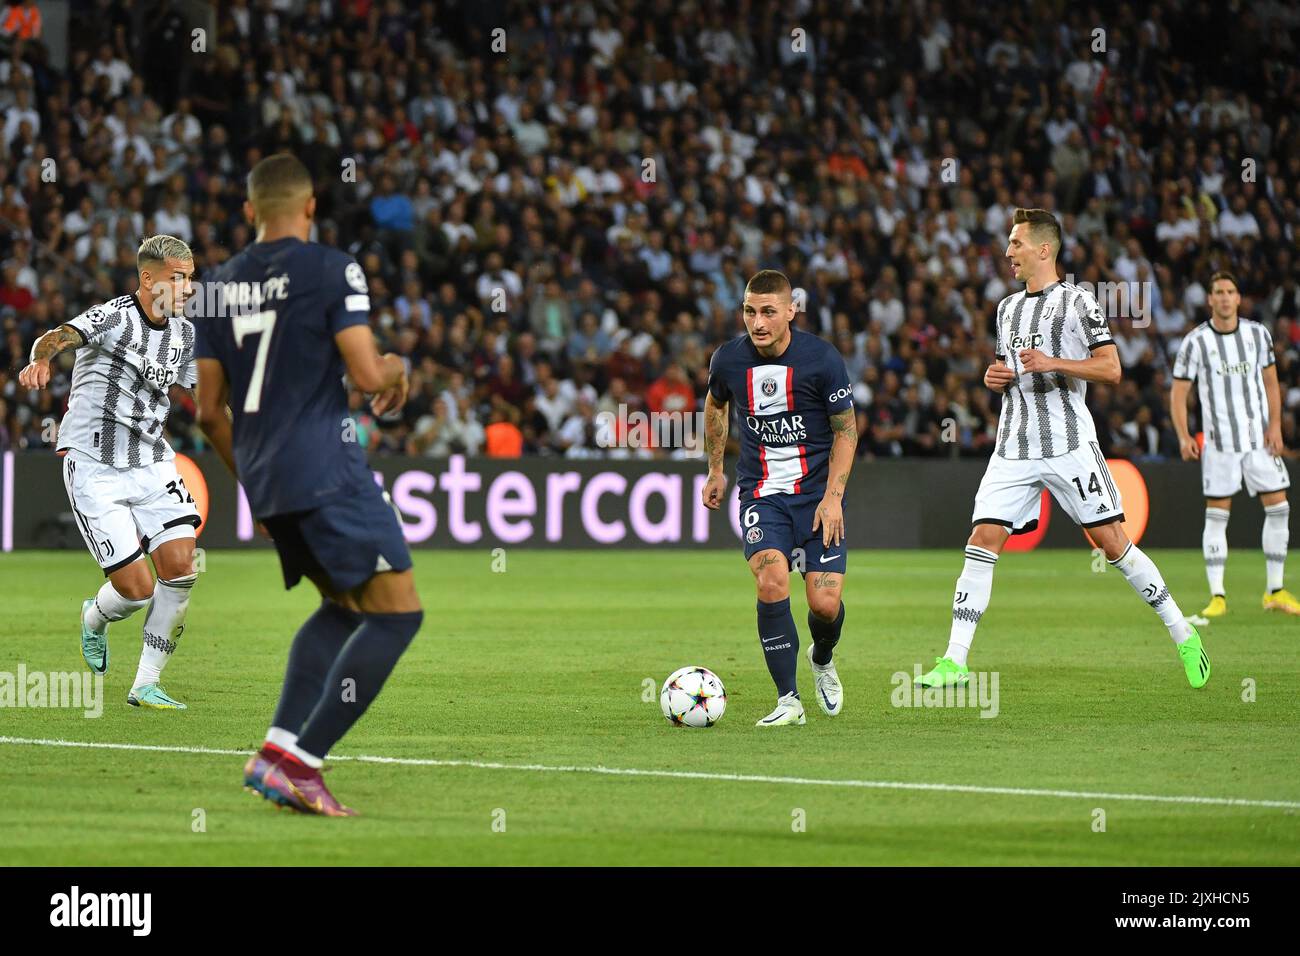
(557, 204)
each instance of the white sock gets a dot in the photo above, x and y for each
(110, 606)
(281, 738)
(1141, 572)
(1277, 531)
(1214, 545)
(163, 626)
(312, 761)
(971, 600)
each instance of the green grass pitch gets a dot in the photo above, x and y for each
(544, 666)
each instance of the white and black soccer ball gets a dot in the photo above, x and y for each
(693, 697)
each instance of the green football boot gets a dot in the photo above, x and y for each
(1195, 662)
(154, 697)
(946, 673)
(94, 644)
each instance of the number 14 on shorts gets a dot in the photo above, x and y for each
(1094, 486)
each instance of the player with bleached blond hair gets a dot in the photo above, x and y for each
(119, 472)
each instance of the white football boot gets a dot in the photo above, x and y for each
(789, 710)
(830, 695)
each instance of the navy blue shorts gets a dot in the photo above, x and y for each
(784, 523)
(347, 541)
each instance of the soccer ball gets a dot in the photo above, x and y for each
(693, 697)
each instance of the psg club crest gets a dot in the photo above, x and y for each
(754, 535)
(769, 387)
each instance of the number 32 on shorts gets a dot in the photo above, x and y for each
(182, 493)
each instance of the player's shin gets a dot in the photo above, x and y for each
(780, 640)
(315, 648)
(1145, 578)
(109, 606)
(354, 681)
(1277, 519)
(974, 588)
(825, 635)
(163, 625)
(1214, 546)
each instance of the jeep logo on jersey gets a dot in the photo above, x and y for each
(781, 430)
(769, 387)
(161, 377)
(1026, 341)
(1238, 368)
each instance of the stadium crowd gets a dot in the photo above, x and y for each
(557, 204)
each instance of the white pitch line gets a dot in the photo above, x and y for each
(699, 775)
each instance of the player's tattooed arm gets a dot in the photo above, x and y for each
(715, 444)
(37, 373)
(829, 518)
(844, 445)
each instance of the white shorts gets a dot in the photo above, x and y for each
(1011, 492)
(1222, 472)
(124, 514)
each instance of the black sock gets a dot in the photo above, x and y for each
(367, 659)
(825, 635)
(314, 649)
(780, 641)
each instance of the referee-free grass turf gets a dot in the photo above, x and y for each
(547, 664)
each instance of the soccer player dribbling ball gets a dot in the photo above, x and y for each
(797, 444)
(119, 471)
(1052, 339)
(292, 317)
(1231, 360)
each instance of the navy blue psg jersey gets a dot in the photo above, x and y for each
(784, 405)
(278, 307)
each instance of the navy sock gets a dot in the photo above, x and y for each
(315, 647)
(780, 640)
(825, 635)
(367, 659)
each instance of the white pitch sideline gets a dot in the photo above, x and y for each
(696, 775)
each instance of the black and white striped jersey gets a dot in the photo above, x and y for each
(1045, 415)
(1228, 368)
(118, 404)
